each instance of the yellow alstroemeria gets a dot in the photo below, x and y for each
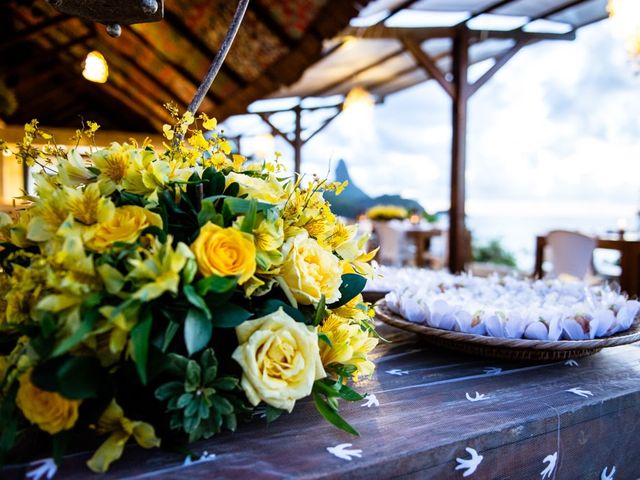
(87, 205)
(160, 271)
(350, 344)
(73, 172)
(121, 429)
(113, 163)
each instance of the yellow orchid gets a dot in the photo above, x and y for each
(120, 429)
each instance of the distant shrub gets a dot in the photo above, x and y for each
(493, 252)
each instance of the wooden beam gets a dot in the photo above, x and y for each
(426, 62)
(33, 29)
(351, 76)
(178, 24)
(396, 9)
(324, 125)
(175, 65)
(457, 230)
(45, 55)
(490, 8)
(265, 118)
(265, 17)
(500, 61)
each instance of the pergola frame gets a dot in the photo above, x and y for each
(455, 84)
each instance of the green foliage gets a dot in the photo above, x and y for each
(352, 285)
(200, 402)
(493, 252)
(326, 393)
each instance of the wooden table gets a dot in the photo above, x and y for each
(629, 249)
(422, 239)
(422, 420)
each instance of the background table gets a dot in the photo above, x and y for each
(629, 259)
(422, 420)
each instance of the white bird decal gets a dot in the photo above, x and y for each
(548, 470)
(205, 457)
(371, 401)
(608, 476)
(45, 468)
(492, 370)
(344, 452)
(477, 398)
(580, 392)
(398, 372)
(469, 464)
(571, 363)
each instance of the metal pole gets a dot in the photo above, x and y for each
(219, 58)
(297, 141)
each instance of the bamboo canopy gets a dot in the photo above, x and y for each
(42, 51)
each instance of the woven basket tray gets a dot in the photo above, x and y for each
(508, 348)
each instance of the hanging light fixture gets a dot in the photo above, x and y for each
(626, 15)
(358, 99)
(95, 67)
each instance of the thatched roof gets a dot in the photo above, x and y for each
(41, 54)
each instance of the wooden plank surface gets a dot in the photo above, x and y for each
(424, 421)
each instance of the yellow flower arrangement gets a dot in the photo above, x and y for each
(387, 212)
(131, 258)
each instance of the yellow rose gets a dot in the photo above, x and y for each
(310, 271)
(280, 359)
(224, 251)
(124, 226)
(49, 410)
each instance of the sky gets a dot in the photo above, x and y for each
(555, 133)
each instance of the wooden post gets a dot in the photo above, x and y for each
(457, 235)
(297, 141)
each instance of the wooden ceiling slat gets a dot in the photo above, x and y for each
(176, 66)
(33, 30)
(177, 23)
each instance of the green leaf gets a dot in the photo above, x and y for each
(184, 400)
(214, 182)
(140, 344)
(193, 408)
(169, 333)
(320, 311)
(230, 316)
(221, 405)
(190, 424)
(352, 285)
(216, 284)
(273, 304)
(230, 422)
(89, 319)
(192, 377)
(168, 390)
(207, 213)
(325, 339)
(331, 415)
(196, 300)
(226, 383)
(209, 364)
(273, 413)
(250, 217)
(177, 365)
(349, 394)
(197, 330)
(79, 378)
(59, 446)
